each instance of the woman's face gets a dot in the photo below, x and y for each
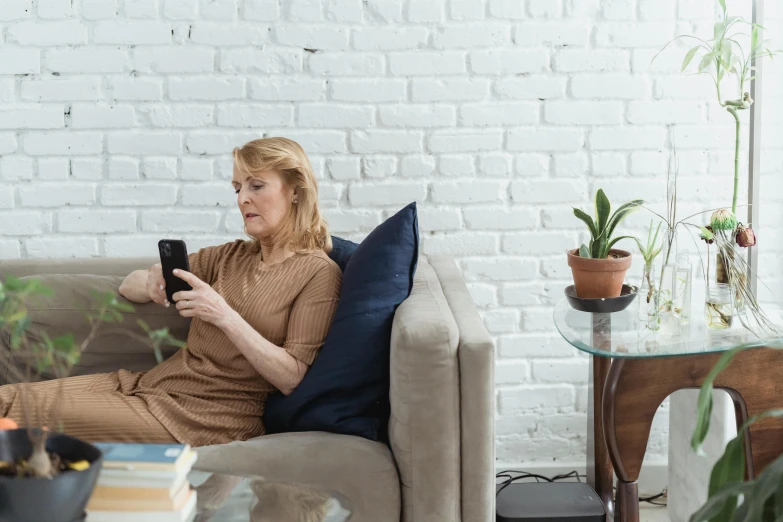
(263, 199)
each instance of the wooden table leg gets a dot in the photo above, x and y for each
(599, 465)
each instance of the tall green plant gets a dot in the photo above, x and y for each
(602, 228)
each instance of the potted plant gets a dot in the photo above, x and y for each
(648, 300)
(46, 475)
(597, 268)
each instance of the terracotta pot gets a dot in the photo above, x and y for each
(596, 278)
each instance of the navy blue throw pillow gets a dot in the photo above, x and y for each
(346, 390)
(341, 251)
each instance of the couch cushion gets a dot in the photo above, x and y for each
(346, 390)
(424, 428)
(65, 312)
(342, 249)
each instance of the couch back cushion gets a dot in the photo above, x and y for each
(424, 428)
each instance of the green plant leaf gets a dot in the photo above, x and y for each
(602, 210)
(765, 487)
(718, 30)
(621, 214)
(715, 503)
(729, 469)
(588, 221)
(124, 307)
(754, 37)
(614, 241)
(705, 400)
(688, 57)
(705, 62)
(723, 5)
(584, 252)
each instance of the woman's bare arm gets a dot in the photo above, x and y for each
(134, 287)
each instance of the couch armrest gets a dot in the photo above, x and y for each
(477, 391)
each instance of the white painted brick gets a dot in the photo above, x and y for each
(642, 34)
(343, 11)
(512, 372)
(7, 90)
(530, 87)
(467, 9)
(220, 34)
(685, 87)
(123, 168)
(86, 60)
(417, 166)
(351, 220)
(541, 138)
(574, 165)
(52, 247)
(195, 169)
(141, 8)
(51, 169)
(418, 115)
(173, 60)
(255, 116)
(627, 138)
(180, 9)
(457, 165)
(484, 295)
(132, 33)
(517, 425)
(531, 398)
(179, 220)
(44, 34)
(254, 60)
(548, 191)
(344, 168)
(494, 218)
(13, 168)
(609, 164)
(97, 221)
(347, 64)
(450, 89)
(668, 61)
(323, 38)
(179, 115)
(538, 243)
(540, 319)
(16, 10)
(498, 114)
(513, 9)
(426, 11)
(460, 244)
(384, 194)
(609, 86)
(509, 61)
(559, 34)
(657, 9)
(52, 9)
(98, 9)
(650, 190)
(16, 60)
(577, 60)
(379, 166)
(544, 9)
(205, 142)
(665, 112)
(561, 217)
(528, 294)
(261, 10)
(136, 89)
(219, 9)
(335, 116)
(648, 162)
(159, 168)
(465, 140)
(25, 222)
(6, 196)
(561, 371)
(207, 195)
(465, 192)
(386, 141)
(696, 9)
(330, 192)
(619, 9)
(88, 116)
(390, 39)
(8, 143)
(318, 142)
(531, 165)
(43, 195)
(144, 143)
(22, 116)
(439, 219)
(495, 165)
(384, 11)
(206, 89)
(421, 63)
(571, 425)
(500, 321)
(138, 194)
(583, 113)
(499, 269)
(471, 36)
(63, 143)
(287, 89)
(71, 89)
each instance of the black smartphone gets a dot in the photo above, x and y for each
(173, 254)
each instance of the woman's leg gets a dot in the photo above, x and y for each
(90, 407)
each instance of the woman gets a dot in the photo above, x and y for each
(260, 312)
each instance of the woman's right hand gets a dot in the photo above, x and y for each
(156, 285)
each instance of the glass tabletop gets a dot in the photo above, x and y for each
(621, 334)
(235, 498)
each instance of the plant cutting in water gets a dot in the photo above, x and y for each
(649, 253)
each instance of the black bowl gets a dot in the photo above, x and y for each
(61, 499)
(599, 305)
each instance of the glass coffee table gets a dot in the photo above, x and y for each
(634, 369)
(246, 498)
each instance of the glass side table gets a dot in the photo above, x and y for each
(632, 371)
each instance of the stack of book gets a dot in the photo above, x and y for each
(143, 483)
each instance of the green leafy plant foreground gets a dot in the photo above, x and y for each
(602, 227)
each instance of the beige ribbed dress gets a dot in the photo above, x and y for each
(206, 393)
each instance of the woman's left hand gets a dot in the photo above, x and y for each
(202, 301)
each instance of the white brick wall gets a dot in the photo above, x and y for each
(117, 118)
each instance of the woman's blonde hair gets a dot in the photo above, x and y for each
(286, 157)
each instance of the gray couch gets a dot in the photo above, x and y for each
(440, 467)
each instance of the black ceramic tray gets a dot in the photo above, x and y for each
(606, 305)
